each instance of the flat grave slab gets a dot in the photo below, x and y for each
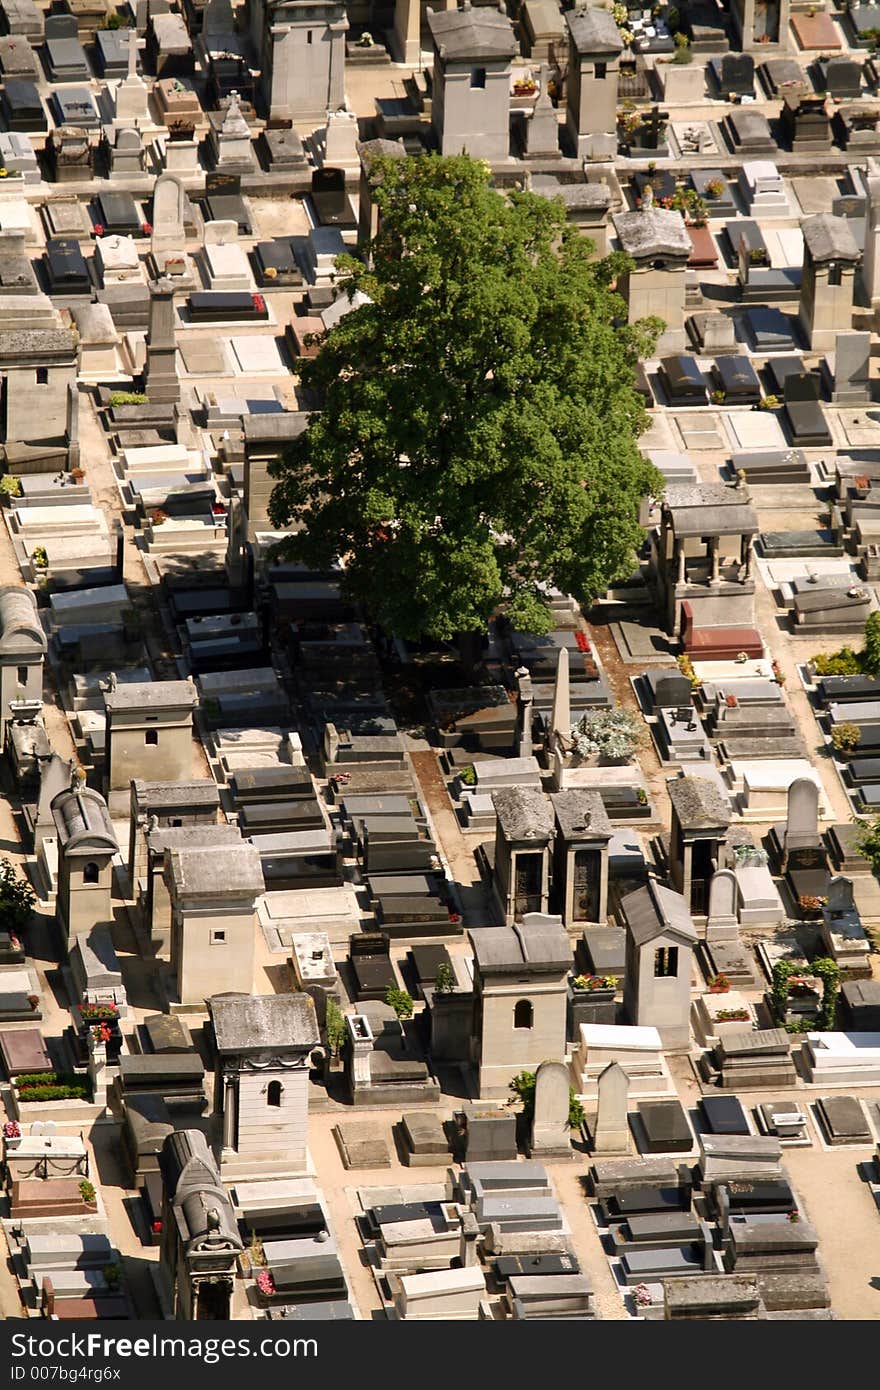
(844, 1120)
(702, 432)
(258, 355)
(755, 429)
(204, 356)
(665, 1126)
(362, 1145)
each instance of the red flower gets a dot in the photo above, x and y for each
(454, 916)
(98, 229)
(583, 641)
(146, 228)
(259, 303)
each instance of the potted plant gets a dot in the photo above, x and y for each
(719, 984)
(593, 983)
(265, 1284)
(12, 1134)
(40, 557)
(713, 189)
(845, 738)
(88, 1194)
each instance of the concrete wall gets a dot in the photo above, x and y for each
(81, 905)
(305, 65)
(264, 1129)
(37, 411)
(129, 755)
(10, 689)
(473, 119)
(658, 292)
(204, 966)
(505, 1050)
(661, 1002)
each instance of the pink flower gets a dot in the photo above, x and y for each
(265, 1282)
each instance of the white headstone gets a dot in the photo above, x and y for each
(802, 820)
(341, 139)
(169, 208)
(611, 1134)
(723, 894)
(550, 1133)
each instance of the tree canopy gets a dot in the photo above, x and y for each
(477, 437)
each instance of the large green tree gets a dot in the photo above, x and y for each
(477, 439)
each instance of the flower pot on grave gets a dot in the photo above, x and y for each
(81, 1039)
(590, 1006)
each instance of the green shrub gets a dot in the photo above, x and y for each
(444, 980)
(334, 1027)
(29, 1094)
(468, 776)
(400, 1002)
(40, 557)
(523, 1087)
(128, 398)
(45, 1078)
(845, 662)
(871, 654)
(845, 737)
(87, 1191)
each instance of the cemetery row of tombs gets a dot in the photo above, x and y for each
(255, 914)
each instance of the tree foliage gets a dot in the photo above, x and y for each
(523, 1088)
(17, 899)
(334, 1027)
(478, 433)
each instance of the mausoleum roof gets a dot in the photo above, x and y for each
(829, 238)
(650, 232)
(594, 31)
(467, 33)
(263, 1022)
(20, 628)
(655, 911)
(698, 803)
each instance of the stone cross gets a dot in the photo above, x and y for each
(134, 43)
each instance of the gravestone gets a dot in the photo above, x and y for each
(723, 922)
(168, 240)
(611, 1133)
(802, 820)
(219, 183)
(840, 894)
(550, 1137)
(126, 154)
(843, 78)
(328, 194)
(852, 358)
(736, 74)
(61, 26)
